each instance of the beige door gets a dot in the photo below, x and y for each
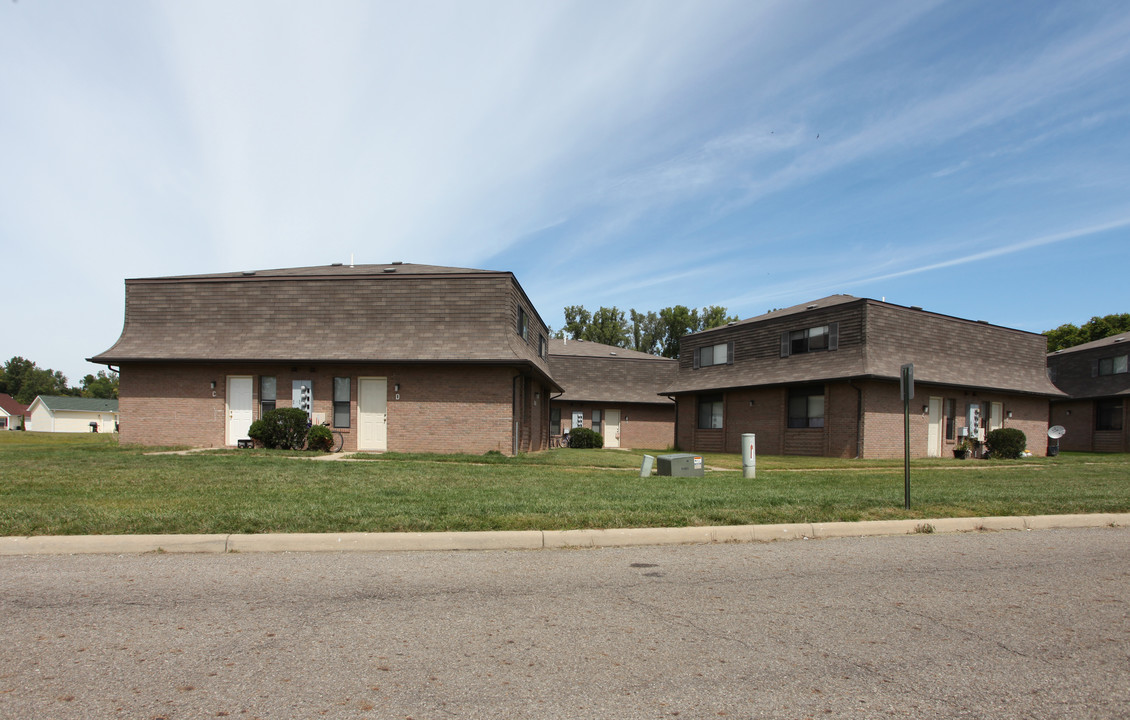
(996, 416)
(239, 408)
(934, 429)
(372, 414)
(611, 428)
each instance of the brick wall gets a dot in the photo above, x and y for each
(1078, 418)
(441, 408)
(643, 426)
(883, 418)
(764, 412)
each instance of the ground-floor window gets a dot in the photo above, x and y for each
(1108, 414)
(951, 421)
(341, 402)
(266, 394)
(596, 422)
(555, 420)
(806, 406)
(709, 412)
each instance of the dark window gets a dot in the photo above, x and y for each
(266, 394)
(554, 420)
(523, 324)
(806, 406)
(1108, 414)
(542, 344)
(709, 412)
(1113, 365)
(596, 425)
(950, 419)
(815, 339)
(341, 402)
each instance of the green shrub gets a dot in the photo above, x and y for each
(585, 438)
(281, 428)
(320, 438)
(1007, 443)
(258, 432)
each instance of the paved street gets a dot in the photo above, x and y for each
(993, 625)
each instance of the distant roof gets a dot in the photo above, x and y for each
(875, 339)
(56, 403)
(10, 406)
(584, 348)
(594, 372)
(1095, 344)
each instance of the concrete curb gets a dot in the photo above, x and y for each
(533, 539)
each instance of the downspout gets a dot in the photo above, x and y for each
(672, 399)
(858, 418)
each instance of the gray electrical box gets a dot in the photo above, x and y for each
(681, 465)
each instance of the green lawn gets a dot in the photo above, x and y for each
(87, 484)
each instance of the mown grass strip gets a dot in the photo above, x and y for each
(87, 484)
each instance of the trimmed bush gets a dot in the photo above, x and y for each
(320, 438)
(585, 438)
(283, 428)
(1007, 443)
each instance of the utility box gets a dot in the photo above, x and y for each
(681, 465)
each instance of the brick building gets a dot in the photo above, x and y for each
(823, 379)
(401, 357)
(1095, 377)
(614, 391)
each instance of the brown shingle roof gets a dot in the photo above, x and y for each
(1075, 369)
(377, 313)
(596, 372)
(875, 340)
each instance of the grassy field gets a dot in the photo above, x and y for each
(87, 484)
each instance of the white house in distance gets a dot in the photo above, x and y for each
(61, 413)
(11, 413)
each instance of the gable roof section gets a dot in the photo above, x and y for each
(64, 403)
(594, 372)
(369, 313)
(875, 339)
(1075, 369)
(1122, 340)
(10, 406)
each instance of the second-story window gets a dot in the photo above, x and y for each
(523, 324)
(1112, 365)
(720, 354)
(813, 339)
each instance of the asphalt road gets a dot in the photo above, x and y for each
(989, 625)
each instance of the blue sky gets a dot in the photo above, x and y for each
(972, 158)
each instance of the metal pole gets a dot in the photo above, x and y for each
(906, 452)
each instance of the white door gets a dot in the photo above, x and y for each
(372, 414)
(934, 429)
(239, 408)
(611, 428)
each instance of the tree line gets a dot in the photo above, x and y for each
(24, 380)
(656, 333)
(1097, 328)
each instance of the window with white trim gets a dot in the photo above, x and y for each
(266, 394)
(341, 402)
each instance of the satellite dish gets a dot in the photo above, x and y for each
(1055, 432)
